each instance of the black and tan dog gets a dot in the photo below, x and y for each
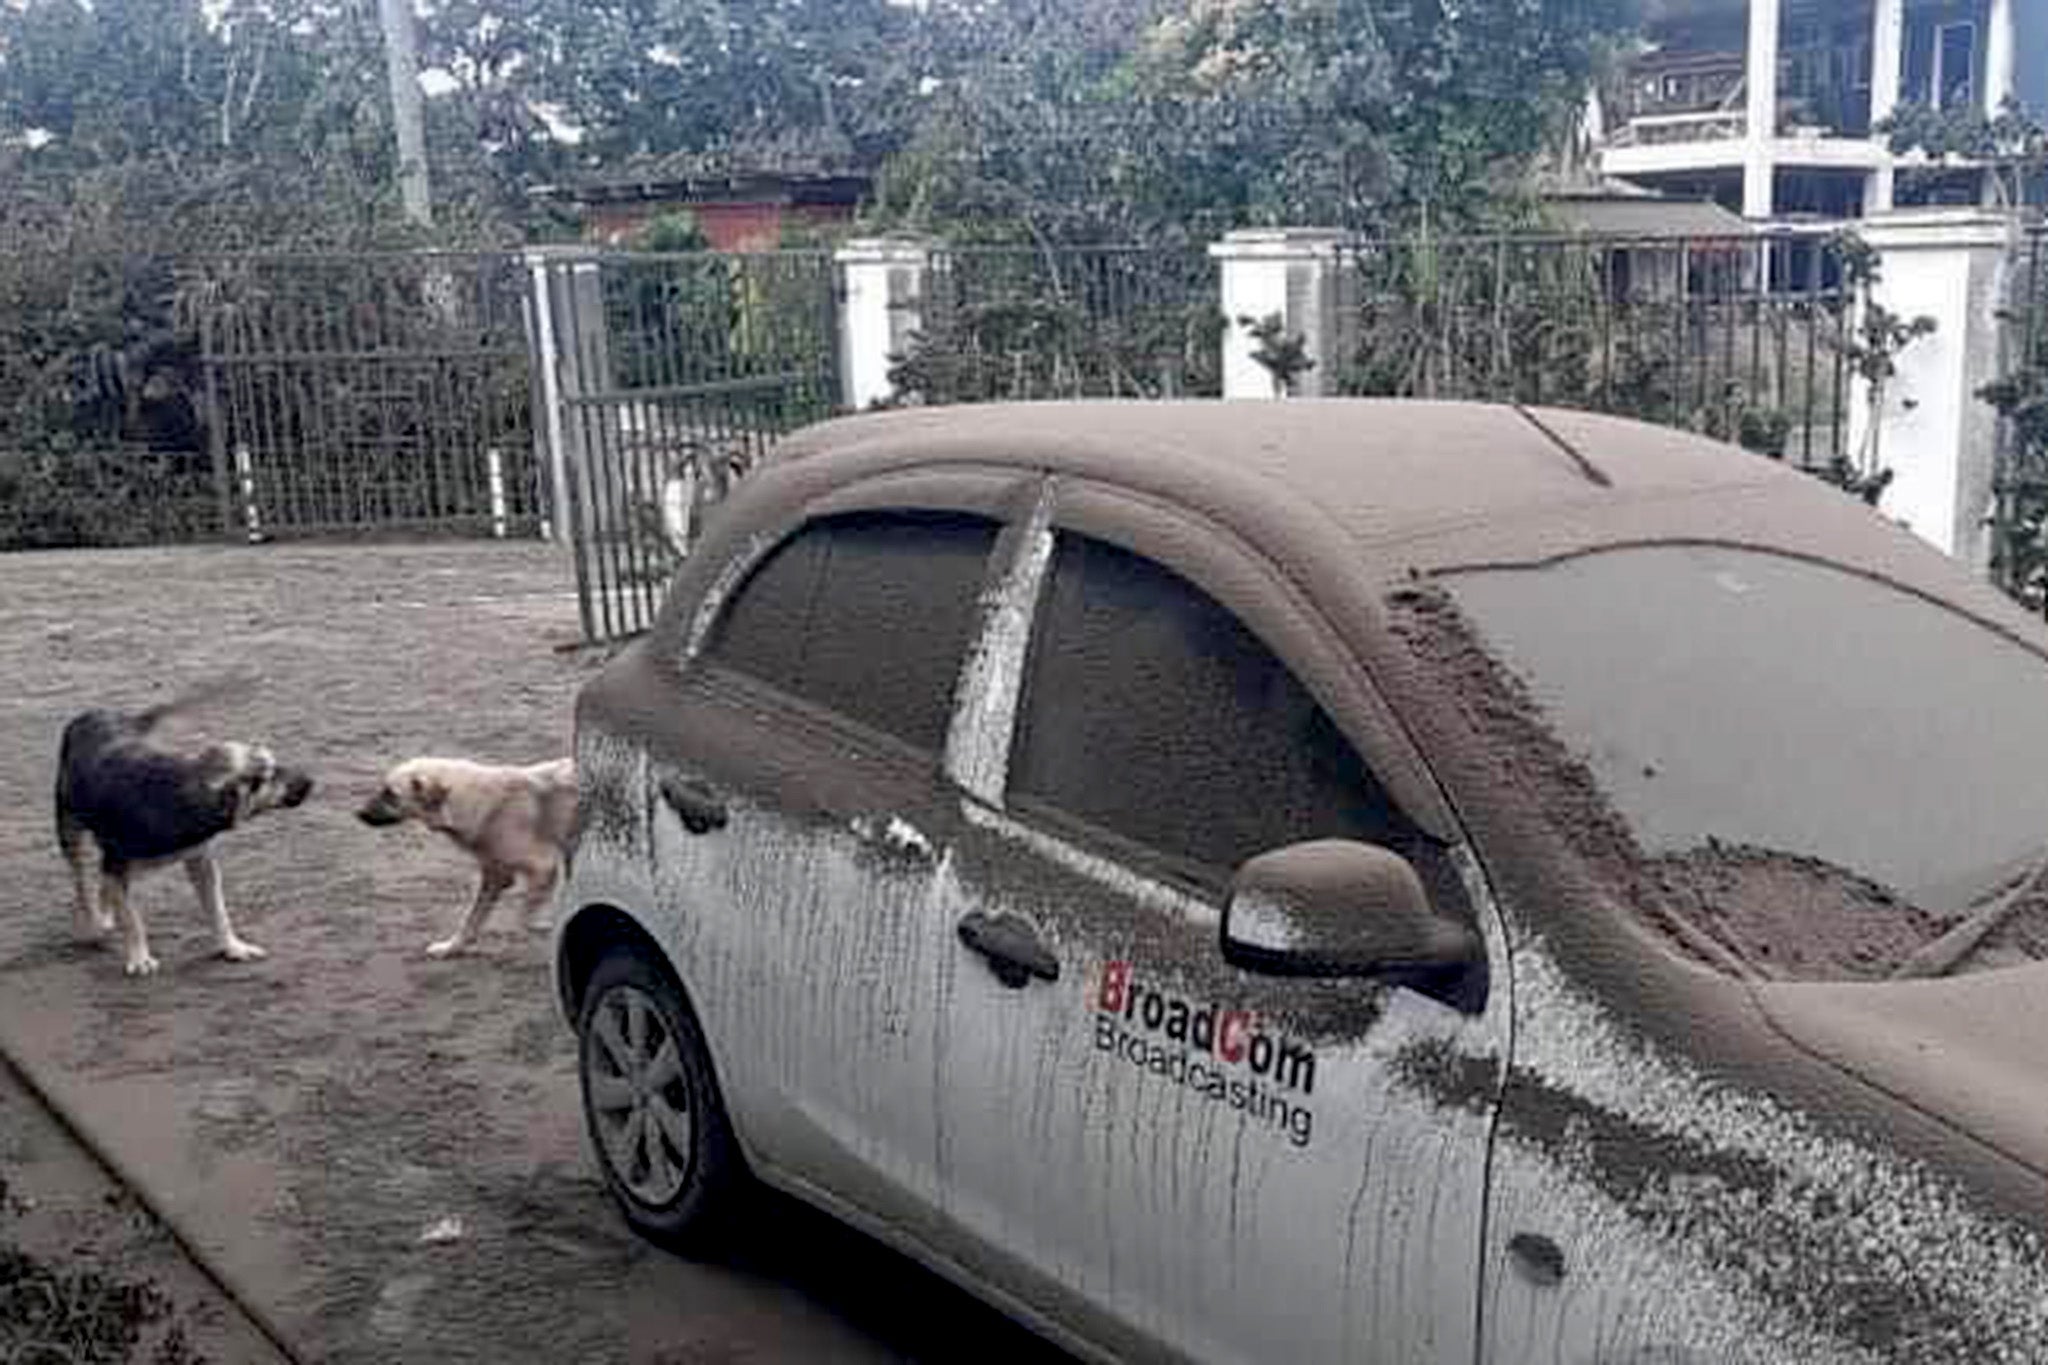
(147, 803)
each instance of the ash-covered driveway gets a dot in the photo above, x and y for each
(305, 1120)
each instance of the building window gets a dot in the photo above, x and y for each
(1955, 53)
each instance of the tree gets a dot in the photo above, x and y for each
(729, 83)
(1871, 350)
(1189, 118)
(255, 122)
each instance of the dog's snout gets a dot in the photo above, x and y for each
(297, 787)
(381, 809)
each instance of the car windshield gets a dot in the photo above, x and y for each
(1795, 725)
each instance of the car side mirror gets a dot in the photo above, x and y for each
(1333, 908)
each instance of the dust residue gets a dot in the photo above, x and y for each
(1743, 910)
(1789, 916)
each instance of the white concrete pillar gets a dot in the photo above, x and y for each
(1998, 55)
(1887, 54)
(1760, 123)
(884, 279)
(1939, 439)
(1303, 276)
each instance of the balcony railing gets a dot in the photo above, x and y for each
(1692, 97)
(1708, 125)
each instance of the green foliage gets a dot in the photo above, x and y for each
(1550, 322)
(136, 133)
(1170, 121)
(2019, 542)
(725, 84)
(140, 129)
(1022, 323)
(2012, 145)
(1871, 351)
(675, 232)
(1280, 353)
(1618, 329)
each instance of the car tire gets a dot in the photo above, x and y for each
(651, 1106)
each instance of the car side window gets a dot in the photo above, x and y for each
(1151, 713)
(866, 614)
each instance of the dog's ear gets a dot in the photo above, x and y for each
(428, 793)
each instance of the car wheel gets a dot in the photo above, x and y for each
(651, 1103)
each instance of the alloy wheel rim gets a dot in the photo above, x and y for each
(639, 1101)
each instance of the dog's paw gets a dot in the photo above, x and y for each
(447, 947)
(140, 964)
(241, 950)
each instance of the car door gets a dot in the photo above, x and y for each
(796, 801)
(1227, 1165)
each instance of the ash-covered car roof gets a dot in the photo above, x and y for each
(1416, 486)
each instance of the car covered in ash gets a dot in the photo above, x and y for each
(1335, 881)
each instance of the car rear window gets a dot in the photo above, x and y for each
(1151, 713)
(867, 615)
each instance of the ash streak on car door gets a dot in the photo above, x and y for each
(801, 929)
(1691, 1220)
(1224, 1164)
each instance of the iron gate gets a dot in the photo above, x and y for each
(669, 376)
(371, 392)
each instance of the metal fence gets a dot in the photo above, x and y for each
(1745, 338)
(354, 393)
(1066, 322)
(2019, 521)
(616, 395)
(672, 375)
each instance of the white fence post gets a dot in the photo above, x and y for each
(494, 463)
(1936, 435)
(884, 281)
(245, 480)
(1300, 275)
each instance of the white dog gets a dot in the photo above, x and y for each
(516, 823)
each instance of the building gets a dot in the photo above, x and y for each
(1768, 105)
(735, 212)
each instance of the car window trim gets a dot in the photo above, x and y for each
(981, 734)
(920, 495)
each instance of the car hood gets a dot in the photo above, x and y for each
(1971, 1051)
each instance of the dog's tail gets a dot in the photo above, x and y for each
(197, 697)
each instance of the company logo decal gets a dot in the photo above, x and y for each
(1227, 1056)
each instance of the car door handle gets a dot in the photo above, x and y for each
(1537, 1257)
(1011, 947)
(700, 808)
